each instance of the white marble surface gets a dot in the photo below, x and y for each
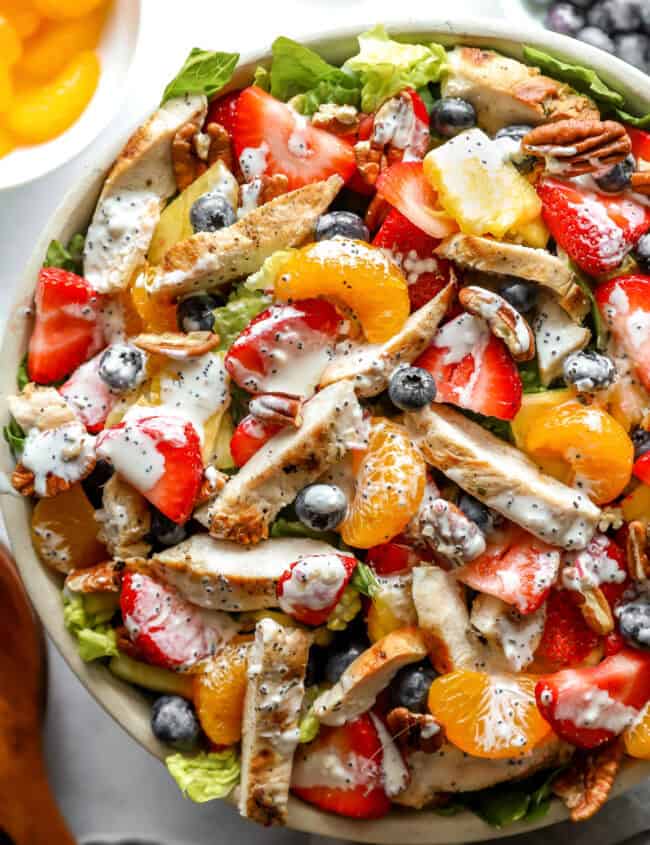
(104, 782)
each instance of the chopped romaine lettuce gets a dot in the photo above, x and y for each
(283, 527)
(66, 258)
(87, 622)
(222, 457)
(22, 376)
(599, 327)
(347, 609)
(151, 677)
(500, 428)
(262, 78)
(309, 726)
(264, 278)
(231, 319)
(385, 66)
(204, 72)
(364, 580)
(530, 379)
(15, 437)
(206, 776)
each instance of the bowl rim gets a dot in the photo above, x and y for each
(120, 700)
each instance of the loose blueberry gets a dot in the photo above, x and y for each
(93, 485)
(564, 18)
(410, 687)
(634, 49)
(343, 223)
(520, 294)
(211, 212)
(634, 622)
(615, 15)
(321, 507)
(516, 131)
(451, 115)
(477, 512)
(642, 253)
(174, 722)
(589, 371)
(411, 388)
(164, 531)
(340, 657)
(195, 314)
(121, 367)
(617, 178)
(597, 38)
(641, 440)
(314, 672)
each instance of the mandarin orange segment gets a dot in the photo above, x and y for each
(10, 46)
(23, 17)
(356, 274)
(389, 485)
(591, 442)
(47, 53)
(492, 716)
(156, 314)
(219, 693)
(64, 9)
(64, 531)
(637, 737)
(6, 142)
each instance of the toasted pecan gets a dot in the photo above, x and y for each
(185, 161)
(22, 480)
(211, 485)
(641, 182)
(102, 578)
(276, 408)
(596, 610)
(177, 344)
(585, 785)
(414, 731)
(579, 146)
(504, 321)
(638, 564)
(338, 119)
(220, 148)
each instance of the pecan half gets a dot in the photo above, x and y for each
(368, 161)
(102, 578)
(579, 146)
(414, 731)
(212, 484)
(504, 321)
(272, 187)
(22, 480)
(596, 610)
(638, 564)
(220, 145)
(186, 163)
(641, 182)
(585, 785)
(339, 120)
(177, 344)
(275, 408)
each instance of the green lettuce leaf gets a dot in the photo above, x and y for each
(283, 527)
(66, 258)
(600, 329)
(204, 72)
(325, 92)
(206, 776)
(264, 278)
(15, 437)
(347, 609)
(364, 580)
(500, 428)
(22, 376)
(309, 726)
(149, 677)
(385, 66)
(86, 618)
(530, 378)
(231, 319)
(262, 78)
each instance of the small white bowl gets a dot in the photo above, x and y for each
(116, 52)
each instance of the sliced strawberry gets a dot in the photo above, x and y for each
(352, 788)
(223, 110)
(310, 588)
(166, 629)
(249, 436)
(473, 369)
(404, 185)
(588, 707)
(89, 395)
(285, 348)
(285, 142)
(389, 558)
(161, 457)
(567, 639)
(642, 468)
(600, 564)
(66, 331)
(413, 250)
(640, 143)
(624, 303)
(516, 567)
(595, 230)
(613, 643)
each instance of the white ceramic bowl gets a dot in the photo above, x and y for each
(124, 702)
(116, 52)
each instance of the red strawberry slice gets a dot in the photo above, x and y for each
(223, 110)
(66, 332)
(282, 141)
(588, 707)
(389, 558)
(353, 788)
(516, 567)
(595, 230)
(640, 143)
(311, 587)
(89, 395)
(249, 436)
(473, 369)
(624, 303)
(161, 457)
(567, 639)
(602, 564)
(166, 629)
(285, 348)
(413, 250)
(642, 468)
(404, 185)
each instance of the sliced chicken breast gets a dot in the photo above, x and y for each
(124, 520)
(38, 407)
(556, 337)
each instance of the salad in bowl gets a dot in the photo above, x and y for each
(336, 426)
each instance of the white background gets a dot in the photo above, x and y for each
(104, 782)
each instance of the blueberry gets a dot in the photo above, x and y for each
(617, 178)
(516, 131)
(321, 507)
(634, 49)
(589, 371)
(211, 212)
(597, 38)
(343, 223)
(634, 622)
(451, 115)
(641, 440)
(174, 722)
(195, 314)
(314, 673)
(615, 15)
(477, 512)
(564, 18)
(164, 531)
(121, 367)
(410, 687)
(93, 484)
(340, 657)
(411, 388)
(520, 294)
(642, 253)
